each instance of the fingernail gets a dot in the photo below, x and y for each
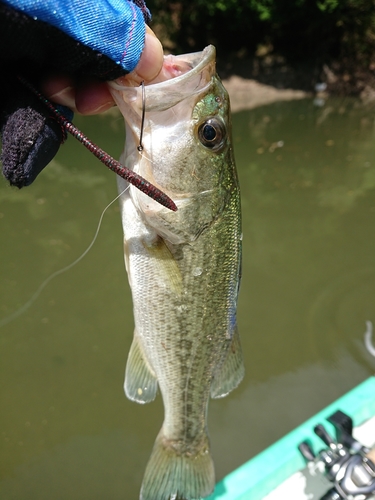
(65, 97)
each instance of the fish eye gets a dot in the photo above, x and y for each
(211, 133)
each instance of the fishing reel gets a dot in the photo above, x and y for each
(343, 462)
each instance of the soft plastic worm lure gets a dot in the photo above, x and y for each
(124, 172)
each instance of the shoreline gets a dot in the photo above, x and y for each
(254, 82)
(249, 94)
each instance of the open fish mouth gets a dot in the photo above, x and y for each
(180, 77)
(167, 105)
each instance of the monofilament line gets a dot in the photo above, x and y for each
(368, 338)
(36, 294)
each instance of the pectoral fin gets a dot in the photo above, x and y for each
(165, 265)
(231, 371)
(140, 382)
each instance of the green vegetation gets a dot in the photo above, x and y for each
(320, 31)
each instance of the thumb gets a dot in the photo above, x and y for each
(150, 63)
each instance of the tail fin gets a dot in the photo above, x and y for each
(177, 476)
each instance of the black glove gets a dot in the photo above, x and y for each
(31, 48)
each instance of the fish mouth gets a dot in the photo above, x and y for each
(167, 103)
(181, 76)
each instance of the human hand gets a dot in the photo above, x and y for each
(44, 50)
(89, 97)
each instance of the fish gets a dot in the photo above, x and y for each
(183, 267)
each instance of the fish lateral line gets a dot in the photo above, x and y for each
(133, 178)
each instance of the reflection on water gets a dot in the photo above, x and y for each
(308, 188)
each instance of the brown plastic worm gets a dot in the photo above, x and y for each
(114, 165)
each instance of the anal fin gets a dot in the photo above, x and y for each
(140, 382)
(231, 371)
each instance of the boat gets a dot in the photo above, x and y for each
(325, 458)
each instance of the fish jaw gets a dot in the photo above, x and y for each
(164, 118)
(198, 182)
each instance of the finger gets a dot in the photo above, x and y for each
(85, 97)
(93, 97)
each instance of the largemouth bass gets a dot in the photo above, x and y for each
(183, 267)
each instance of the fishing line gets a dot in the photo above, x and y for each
(368, 338)
(36, 294)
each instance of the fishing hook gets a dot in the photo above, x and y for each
(114, 165)
(140, 147)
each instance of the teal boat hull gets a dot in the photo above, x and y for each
(255, 479)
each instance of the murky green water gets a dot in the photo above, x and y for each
(308, 189)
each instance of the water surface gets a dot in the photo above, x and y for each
(307, 176)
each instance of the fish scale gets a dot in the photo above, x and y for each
(183, 267)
